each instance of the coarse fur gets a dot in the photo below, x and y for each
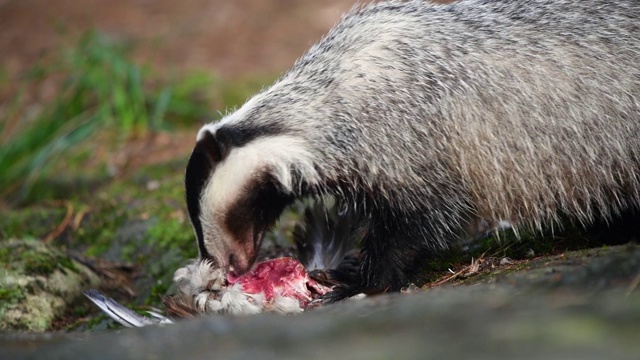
(423, 118)
(326, 235)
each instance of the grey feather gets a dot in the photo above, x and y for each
(123, 315)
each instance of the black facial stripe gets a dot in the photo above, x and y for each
(199, 168)
(259, 208)
(239, 135)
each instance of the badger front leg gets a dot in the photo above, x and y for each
(393, 254)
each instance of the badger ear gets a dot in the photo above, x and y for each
(209, 147)
(217, 146)
(225, 141)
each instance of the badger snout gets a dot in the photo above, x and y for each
(244, 252)
(239, 264)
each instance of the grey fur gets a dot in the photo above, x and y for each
(428, 116)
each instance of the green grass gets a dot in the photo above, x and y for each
(99, 88)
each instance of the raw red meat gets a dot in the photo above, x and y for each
(282, 277)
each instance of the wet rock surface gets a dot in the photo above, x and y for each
(582, 305)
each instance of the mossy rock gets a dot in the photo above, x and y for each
(37, 282)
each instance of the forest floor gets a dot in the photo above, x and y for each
(113, 202)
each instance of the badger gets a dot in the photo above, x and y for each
(424, 119)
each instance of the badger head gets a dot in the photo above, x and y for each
(238, 181)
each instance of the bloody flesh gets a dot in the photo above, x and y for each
(282, 277)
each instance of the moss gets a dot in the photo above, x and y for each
(10, 295)
(12, 291)
(172, 242)
(39, 263)
(31, 257)
(37, 282)
(97, 230)
(172, 233)
(32, 222)
(526, 244)
(35, 313)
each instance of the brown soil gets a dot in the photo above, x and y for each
(231, 38)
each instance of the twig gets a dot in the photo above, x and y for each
(470, 269)
(77, 220)
(63, 225)
(450, 277)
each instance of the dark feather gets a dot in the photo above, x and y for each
(326, 243)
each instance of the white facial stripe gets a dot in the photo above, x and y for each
(277, 155)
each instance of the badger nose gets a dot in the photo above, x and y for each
(232, 262)
(238, 264)
(234, 265)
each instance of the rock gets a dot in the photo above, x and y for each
(587, 308)
(37, 282)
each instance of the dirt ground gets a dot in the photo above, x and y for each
(231, 38)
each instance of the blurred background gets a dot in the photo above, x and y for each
(140, 65)
(229, 38)
(100, 101)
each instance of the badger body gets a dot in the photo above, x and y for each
(423, 118)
